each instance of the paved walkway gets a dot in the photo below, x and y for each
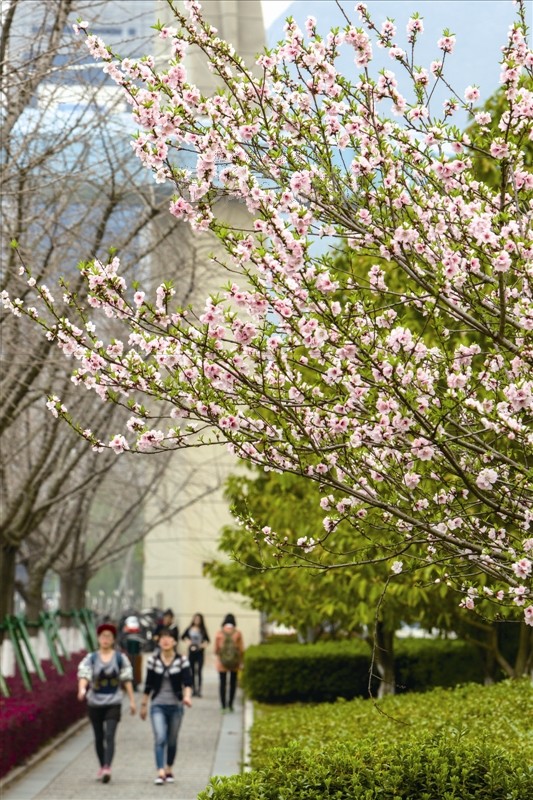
(210, 743)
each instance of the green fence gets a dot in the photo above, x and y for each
(16, 629)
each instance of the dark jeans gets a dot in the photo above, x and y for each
(232, 688)
(196, 660)
(104, 720)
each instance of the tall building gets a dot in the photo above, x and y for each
(176, 551)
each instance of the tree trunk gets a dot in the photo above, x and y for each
(524, 657)
(308, 635)
(8, 554)
(506, 647)
(383, 650)
(33, 594)
(73, 586)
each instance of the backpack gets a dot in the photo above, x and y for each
(107, 683)
(230, 656)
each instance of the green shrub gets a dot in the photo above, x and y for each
(438, 768)
(502, 711)
(421, 664)
(469, 743)
(323, 672)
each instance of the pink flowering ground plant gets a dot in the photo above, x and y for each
(400, 378)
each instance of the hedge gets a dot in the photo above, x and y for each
(469, 743)
(437, 769)
(322, 672)
(28, 720)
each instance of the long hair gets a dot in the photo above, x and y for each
(201, 624)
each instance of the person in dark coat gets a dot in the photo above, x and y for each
(167, 623)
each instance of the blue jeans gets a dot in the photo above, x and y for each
(166, 721)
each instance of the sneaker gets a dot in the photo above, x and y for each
(159, 781)
(100, 774)
(169, 777)
(106, 774)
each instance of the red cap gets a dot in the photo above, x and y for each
(106, 626)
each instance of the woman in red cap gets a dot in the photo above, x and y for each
(101, 676)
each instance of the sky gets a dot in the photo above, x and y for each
(272, 9)
(476, 57)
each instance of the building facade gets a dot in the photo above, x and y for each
(176, 551)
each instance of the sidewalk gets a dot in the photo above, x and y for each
(210, 743)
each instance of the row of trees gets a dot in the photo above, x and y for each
(397, 382)
(69, 188)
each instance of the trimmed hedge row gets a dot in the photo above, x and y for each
(437, 769)
(323, 672)
(422, 664)
(501, 712)
(28, 720)
(469, 743)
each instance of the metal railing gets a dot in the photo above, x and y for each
(16, 628)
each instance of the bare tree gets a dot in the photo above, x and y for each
(91, 529)
(68, 194)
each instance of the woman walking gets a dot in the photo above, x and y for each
(168, 686)
(100, 677)
(198, 639)
(229, 649)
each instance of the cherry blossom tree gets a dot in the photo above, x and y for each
(423, 431)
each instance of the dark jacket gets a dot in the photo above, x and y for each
(173, 628)
(179, 673)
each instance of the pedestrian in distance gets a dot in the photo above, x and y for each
(166, 623)
(168, 687)
(229, 649)
(197, 639)
(101, 676)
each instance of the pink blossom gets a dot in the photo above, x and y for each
(447, 43)
(415, 25)
(411, 480)
(471, 94)
(80, 25)
(522, 568)
(307, 544)
(502, 262)
(499, 149)
(483, 118)
(486, 479)
(118, 443)
(300, 183)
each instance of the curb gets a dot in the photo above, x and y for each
(248, 722)
(18, 772)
